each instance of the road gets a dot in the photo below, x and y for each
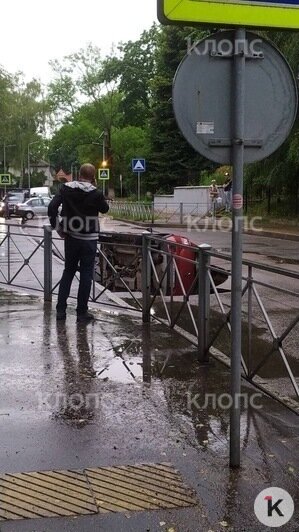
(272, 251)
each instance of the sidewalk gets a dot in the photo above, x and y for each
(115, 394)
(285, 232)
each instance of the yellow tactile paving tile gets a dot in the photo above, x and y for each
(94, 490)
(45, 494)
(140, 487)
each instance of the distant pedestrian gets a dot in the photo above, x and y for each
(79, 226)
(227, 187)
(214, 195)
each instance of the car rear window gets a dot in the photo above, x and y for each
(15, 198)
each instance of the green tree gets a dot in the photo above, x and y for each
(86, 76)
(173, 161)
(136, 69)
(276, 178)
(128, 143)
(23, 121)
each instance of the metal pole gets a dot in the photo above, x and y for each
(203, 302)
(94, 283)
(250, 308)
(47, 263)
(138, 194)
(103, 157)
(28, 163)
(146, 280)
(4, 159)
(181, 213)
(104, 146)
(146, 350)
(4, 165)
(8, 254)
(237, 241)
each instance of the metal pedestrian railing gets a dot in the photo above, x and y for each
(202, 313)
(158, 212)
(21, 263)
(136, 211)
(185, 287)
(35, 261)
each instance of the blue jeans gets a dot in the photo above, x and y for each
(77, 252)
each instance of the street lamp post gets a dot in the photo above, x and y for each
(28, 161)
(4, 154)
(74, 165)
(4, 159)
(104, 134)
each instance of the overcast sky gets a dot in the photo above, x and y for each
(35, 31)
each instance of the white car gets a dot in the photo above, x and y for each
(33, 207)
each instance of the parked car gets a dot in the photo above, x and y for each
(33, 207)
(8, 205)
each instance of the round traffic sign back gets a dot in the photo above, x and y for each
(203, 97)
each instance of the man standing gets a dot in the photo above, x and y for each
(79, 226)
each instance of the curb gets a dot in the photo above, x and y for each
(265, 233)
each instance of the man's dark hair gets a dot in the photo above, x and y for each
(87, 171)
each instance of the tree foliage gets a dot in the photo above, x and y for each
(173, 161)
(119, 107)
(23, 116)
(278, 174)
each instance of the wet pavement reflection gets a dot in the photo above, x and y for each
(117, 392)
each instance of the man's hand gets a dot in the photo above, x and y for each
(61, 233)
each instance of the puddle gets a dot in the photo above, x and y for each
(274, 368)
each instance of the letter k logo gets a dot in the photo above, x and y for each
(272, 507)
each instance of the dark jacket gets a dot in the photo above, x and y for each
(81, 203)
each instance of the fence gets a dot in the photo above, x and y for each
(202, 313)
(185, 287)
(34, 261)
(160, 212)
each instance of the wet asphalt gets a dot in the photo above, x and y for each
(117, 392)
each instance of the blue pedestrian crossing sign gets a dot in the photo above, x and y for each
(103, 174)
(138, 165)
(5, 179)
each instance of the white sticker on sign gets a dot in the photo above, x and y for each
(205, 128)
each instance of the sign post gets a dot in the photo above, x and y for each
(237, 246)
(104, 175)
(5, 179)
(250, 77)
(138, 166)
